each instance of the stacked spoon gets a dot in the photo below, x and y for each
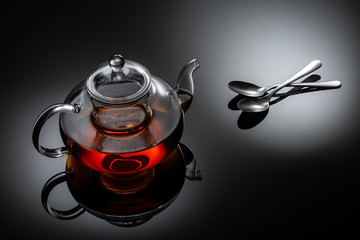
(258, 98)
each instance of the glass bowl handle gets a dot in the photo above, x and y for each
(39, 123)
(48, 187)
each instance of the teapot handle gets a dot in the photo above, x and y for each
(39, 123)
(48, 187)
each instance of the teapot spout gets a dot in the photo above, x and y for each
(185, 84)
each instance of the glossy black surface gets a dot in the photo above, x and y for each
(293, 173)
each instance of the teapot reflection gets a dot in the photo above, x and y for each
(123, 200)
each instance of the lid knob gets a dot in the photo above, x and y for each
(116, 62)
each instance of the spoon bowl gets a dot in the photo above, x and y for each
(248, 89)
(254, 104)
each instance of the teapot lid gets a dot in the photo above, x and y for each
(118, 81)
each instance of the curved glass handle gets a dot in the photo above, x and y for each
(48, 187)
(39, 123)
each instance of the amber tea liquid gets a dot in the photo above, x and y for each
(102, 150)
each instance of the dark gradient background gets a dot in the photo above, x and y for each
(295, 174)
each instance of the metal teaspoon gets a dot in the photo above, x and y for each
(262, 103)
(252, 90)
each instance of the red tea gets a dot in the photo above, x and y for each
(120, 153)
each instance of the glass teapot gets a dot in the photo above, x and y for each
(121, 119)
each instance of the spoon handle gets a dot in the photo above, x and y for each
(323, 84)
(305, 71)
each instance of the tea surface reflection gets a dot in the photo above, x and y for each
(124, 200)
